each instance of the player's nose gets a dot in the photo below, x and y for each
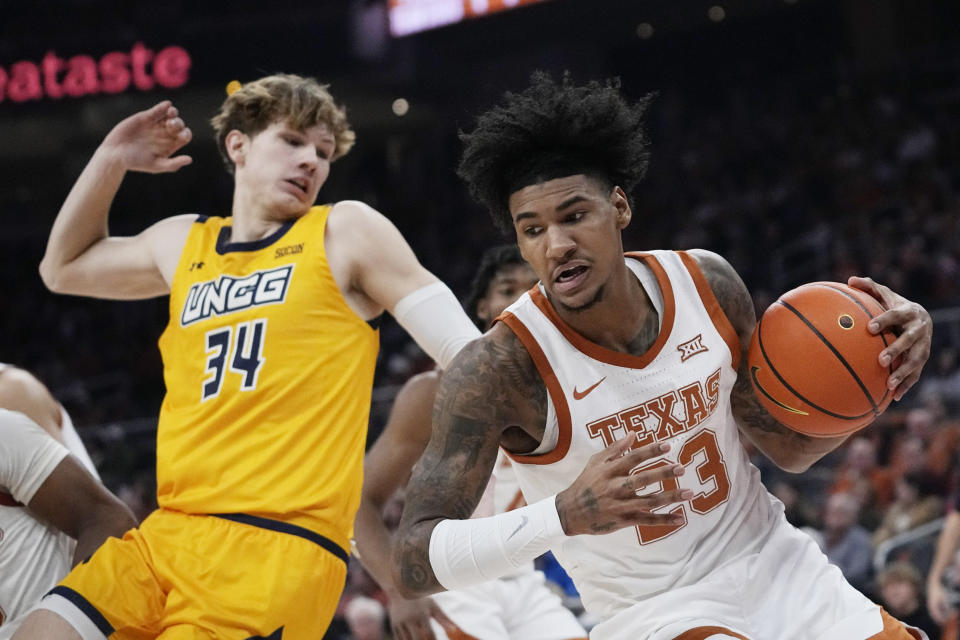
(559, 242)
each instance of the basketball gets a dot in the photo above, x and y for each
(813, 363)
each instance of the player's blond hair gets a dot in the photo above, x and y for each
(300, 102)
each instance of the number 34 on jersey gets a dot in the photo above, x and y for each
(235, 350)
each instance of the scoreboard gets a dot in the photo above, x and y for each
(411, 16)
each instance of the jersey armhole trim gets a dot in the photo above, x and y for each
(701, 633)
(549, 378)
(720, 320)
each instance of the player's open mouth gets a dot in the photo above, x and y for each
(570, 278)
(570, 274)
(301, 185)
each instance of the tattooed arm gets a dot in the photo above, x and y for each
(492, 394)
(474, 404)
(789, 450)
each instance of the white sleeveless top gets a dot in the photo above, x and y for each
(678, 392)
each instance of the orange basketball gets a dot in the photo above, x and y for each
(813, 363)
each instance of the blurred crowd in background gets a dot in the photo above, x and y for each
(811, 170)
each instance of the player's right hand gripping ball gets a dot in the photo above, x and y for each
(813, 363)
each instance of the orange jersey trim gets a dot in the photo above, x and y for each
(610, 356)
(549, 378)
(720, 320)
(518, 500)
(454, 632)
(705, 632)
(893, 629)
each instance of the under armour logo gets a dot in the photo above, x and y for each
(691, 348)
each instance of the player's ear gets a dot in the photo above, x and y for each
(483, 311)
(236, 144)
(622, 206)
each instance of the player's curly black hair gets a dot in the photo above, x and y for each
(551, 130)
(493, 260)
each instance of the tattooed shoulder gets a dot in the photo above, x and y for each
(728, 288)
(494, 381)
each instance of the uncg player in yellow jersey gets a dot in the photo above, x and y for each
(268, 362)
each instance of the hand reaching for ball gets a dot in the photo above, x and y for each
(914, 329)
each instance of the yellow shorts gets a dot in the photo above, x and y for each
(197, 576)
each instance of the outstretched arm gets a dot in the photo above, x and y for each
(81, 257)
(491, 386)
(789, 450)
(378, 270)
(386, 467)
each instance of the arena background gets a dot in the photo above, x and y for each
(801, 139)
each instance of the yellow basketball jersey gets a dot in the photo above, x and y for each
(268, 375)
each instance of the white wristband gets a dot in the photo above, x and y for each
(467, 552)
(433, 317)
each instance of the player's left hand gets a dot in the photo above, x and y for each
(410, 619)
(911, 322)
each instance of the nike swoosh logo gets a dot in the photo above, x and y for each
(580, 395)
(756, 383)
(523, 523)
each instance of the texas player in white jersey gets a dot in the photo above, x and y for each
(620, 388)
(53, 509)
(518, 606)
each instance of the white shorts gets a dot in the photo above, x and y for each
(519, 607)
(787, 590)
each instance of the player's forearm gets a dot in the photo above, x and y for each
(412, 573)
(372, 540)
(113, 519)
(82, 219)
(789, 450)
(455, 554)
(947, 545)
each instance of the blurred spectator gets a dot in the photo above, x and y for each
(861, 476)
(900, 591)
(942, 382)
(367, 619)
(799, 512)
(917, 500)
(845, 542)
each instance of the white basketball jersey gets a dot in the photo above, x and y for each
(678, 392)
(34, 555)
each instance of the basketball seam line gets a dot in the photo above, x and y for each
(843, 361)
(773, 370)
(883, 337)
